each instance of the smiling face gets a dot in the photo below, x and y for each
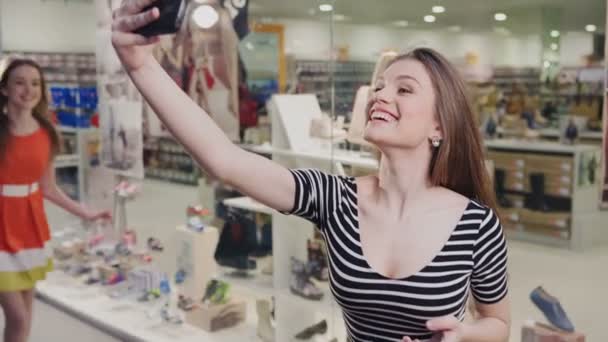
(402, 109)
(23, 88)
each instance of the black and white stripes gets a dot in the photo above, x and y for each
(377, 308)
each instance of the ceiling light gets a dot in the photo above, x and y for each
(249, 46)
(401, 23)
(590, 28)
(554, 46)
(500, 16)
(326, 8)
(547, 64)
(429, 18)
(339, 17)
(438, 9)
(555, 33)
(455, 28)
(205, 16)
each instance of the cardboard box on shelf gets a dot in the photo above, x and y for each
(549, 164)
(220, 316)
(538, 332)
(556, 220)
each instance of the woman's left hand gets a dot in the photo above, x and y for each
(94, 215)
(446, 329)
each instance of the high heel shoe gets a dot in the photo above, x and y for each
(552, 309)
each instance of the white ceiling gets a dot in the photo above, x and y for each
(524, 16)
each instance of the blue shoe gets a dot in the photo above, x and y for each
(552, 309)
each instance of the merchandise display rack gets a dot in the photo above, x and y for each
(315, 77)
(505, 77)
(167, 160)
(566, 171)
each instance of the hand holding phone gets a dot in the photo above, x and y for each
(172, 13)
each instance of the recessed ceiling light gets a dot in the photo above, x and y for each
(455, 28)
(326, 8)
(249, 46)
(205, 16)
(554, 46)
(401, 23)
(438, 9)
(429, 18)
(547, 64)
(590, 28)
(500, 16)
(555, 33)
(339, 17)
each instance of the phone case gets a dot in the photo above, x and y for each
(172, 14)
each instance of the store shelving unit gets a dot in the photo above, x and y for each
(167, 160)
(506, 77)
(72, 164)
(315, 77)
(571, 176)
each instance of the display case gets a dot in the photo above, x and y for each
(547, 192)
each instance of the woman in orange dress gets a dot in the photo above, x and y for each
(28, 143)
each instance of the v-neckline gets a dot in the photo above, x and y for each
(424, 265)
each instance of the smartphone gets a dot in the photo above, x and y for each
(172, 14)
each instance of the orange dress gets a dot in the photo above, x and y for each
(24, 231)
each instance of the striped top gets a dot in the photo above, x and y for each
(377, 308)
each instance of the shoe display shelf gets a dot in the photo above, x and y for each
(87, 311)
(167, 160)
(548, 192)
(74, 160)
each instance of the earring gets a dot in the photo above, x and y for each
(436, 142)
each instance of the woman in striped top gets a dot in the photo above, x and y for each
(406, 246)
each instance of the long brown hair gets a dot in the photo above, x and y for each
(40, 112)
(458, 164)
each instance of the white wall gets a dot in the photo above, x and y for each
(575, 45)
(310, 40)
(47, 26)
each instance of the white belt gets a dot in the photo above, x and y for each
(18, 190)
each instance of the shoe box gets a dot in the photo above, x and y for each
(537, 332)
(510, 218)
(555, 224)
(558, 174)
(514, 165)
(518, 168)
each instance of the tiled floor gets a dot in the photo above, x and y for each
(579, 280)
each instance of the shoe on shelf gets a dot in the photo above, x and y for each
(238, 262)
(317, 261)
(155, 244)
(319, 328)
(552, 309)
(217, 292)
(499, 187)
(537, 200)
(186, 303)
(300, 284)
(265, 328)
